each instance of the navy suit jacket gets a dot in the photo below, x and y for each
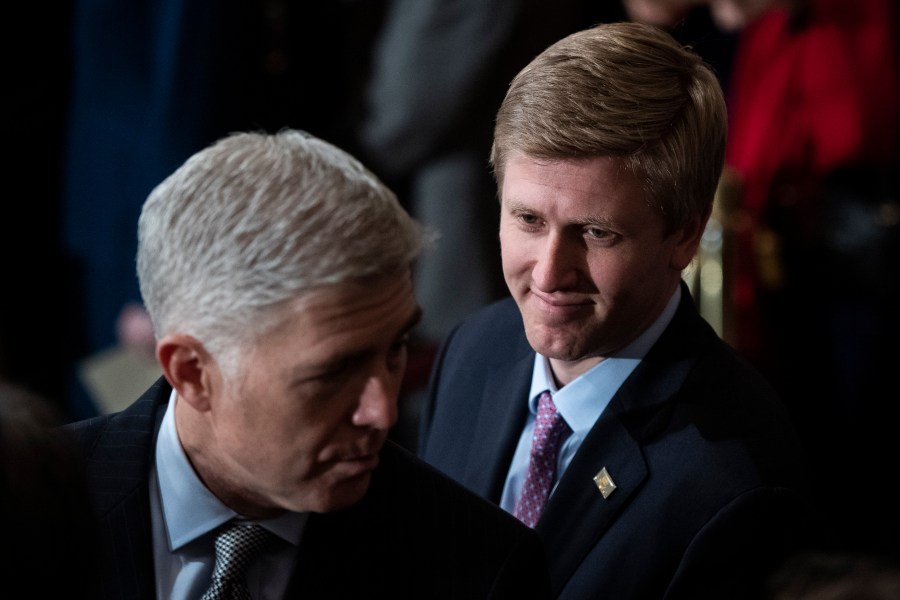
(416, 533)
(709, 474)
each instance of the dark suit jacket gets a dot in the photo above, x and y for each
(416, 534)
(708, 469)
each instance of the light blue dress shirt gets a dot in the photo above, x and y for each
(184, 515)
(581, 402)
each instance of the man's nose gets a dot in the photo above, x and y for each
(556, 264)
(378, 402)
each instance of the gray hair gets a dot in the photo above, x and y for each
(255, 221)
(624, 90)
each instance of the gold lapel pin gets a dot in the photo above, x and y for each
(604, 483)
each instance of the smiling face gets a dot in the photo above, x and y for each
(301, 424)
(585, 257)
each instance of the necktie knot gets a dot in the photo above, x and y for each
(238, 544)
(550, 429)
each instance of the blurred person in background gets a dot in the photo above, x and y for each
(811, 202)
(49, 542)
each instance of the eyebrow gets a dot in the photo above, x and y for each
(516, 206)
(598, 221)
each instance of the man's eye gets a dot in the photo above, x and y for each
(528, 219)
(332, 372)
(597, 233)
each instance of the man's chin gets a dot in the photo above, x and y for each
(553, 344)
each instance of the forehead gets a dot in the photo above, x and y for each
(563, 171)
(579, 182)
(352, 314)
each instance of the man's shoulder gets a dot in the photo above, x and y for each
(420, 534)
(501, 315)
(404, 469)
(426, 490)
(497, 326)
(137, 418)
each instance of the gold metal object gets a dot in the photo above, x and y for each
(604, 483)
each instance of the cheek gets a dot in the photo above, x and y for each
(627, 265)
(607, 269)
(274, 429)
(514, 252)
(619, 278)
(280, 461)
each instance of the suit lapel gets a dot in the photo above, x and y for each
(120, 464)
(504, 403)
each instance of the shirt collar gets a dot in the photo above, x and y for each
(583, 400)
(190, 510)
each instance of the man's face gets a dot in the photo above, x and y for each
(301, 426)
(585, 257)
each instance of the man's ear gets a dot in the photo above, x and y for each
(687, 239)
(188, 367)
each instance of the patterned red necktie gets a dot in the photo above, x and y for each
(549, 432)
